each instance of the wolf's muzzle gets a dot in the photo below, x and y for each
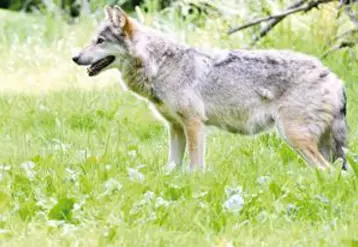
(76, 59)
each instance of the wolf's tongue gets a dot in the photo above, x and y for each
(103, 62)
(91, 72)
(100, 64)
(96, 67)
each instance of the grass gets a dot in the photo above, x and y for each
(81, 160)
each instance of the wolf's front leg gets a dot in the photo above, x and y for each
(177, 144)
(194, 130)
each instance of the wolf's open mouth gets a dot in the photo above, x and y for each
(97, 66)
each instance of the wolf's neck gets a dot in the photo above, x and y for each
(154, 50)
(150, 52)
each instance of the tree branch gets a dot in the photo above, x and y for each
(352, 16)
(343, 44)
(272, 23)
(347, 33)
(306, 8)
(347, 5)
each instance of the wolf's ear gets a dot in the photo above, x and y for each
(122, 20)
(119, 17)
(108, 12)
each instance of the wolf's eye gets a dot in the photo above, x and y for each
(100, 40)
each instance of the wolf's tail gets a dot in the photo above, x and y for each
(340, 131)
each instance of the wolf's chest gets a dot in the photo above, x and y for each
(166, 112)
(140, 85)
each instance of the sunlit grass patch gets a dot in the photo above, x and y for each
(81, 160)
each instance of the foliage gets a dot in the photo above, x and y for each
(71, 7)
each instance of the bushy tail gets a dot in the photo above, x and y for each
(339, 132)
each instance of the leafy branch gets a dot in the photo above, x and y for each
(306, 6)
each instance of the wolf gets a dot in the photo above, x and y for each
(242, 91)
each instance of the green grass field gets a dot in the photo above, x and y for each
(81, 160)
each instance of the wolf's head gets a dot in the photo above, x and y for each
(112, 42)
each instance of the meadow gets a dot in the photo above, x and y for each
(81, 160)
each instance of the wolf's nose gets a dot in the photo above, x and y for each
(75, 59)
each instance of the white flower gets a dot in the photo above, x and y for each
(291, 209)
(169, 168)
(5, 167)
(58, 145)
(140, 166)
(68, 229)
(235, 201)
(261, 216)
(225, 243)
(73, 174)
(152, 216)
(112, 185)
(54, 223)
(149, 196)
(203, 205)
(4, 231)
(175, 186)
(84, 154)
(132, 153)
(3, 218)
(43, 108)
(78, 205)
(199, 195)
(263, 180)
(234, 204)
(43, 201)
(322, 198)
(28, 168)
(135, 175)
(233, 190)
(161, 202)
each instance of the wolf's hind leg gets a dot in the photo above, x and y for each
(305, 143)
(326, 145)
(310, 153)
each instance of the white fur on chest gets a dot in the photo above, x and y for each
(164, 113)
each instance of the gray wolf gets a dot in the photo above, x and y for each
(241, 91)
